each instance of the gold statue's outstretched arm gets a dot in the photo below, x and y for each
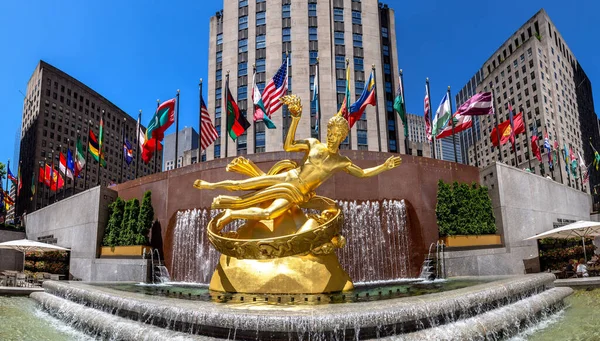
(392, 162)
(295, 109)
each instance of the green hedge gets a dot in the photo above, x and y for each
(464, 210)
(129, 223)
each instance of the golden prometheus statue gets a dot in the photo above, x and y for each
(280, 248)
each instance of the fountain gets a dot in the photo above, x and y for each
(294, 265)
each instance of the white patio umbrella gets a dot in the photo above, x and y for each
(580, 229)
(26, 245)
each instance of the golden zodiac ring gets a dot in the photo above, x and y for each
(327, 233)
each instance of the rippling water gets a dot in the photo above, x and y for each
(22, 320)
(579, 321)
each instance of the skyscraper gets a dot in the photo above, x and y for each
(248, 34)
(56, 111)
(536, 72)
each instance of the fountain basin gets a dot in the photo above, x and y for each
(363, 320)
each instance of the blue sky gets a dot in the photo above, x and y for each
(133, 52)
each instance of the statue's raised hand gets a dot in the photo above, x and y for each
(293, 104)
(392, 162)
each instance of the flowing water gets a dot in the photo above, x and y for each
(22, 320)
(580, 320)
(377, 236)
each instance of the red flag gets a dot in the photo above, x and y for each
(461, 122)
(535, 149)
(506, 131)
(41, 175)
(53, 179)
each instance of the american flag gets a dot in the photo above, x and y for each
(208, 133)
(275, 89)
(426, 114)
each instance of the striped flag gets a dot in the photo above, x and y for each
(259, 106)
(461, 122)
(479, 104)
(426, 115)
(275, 89)
(208, 133)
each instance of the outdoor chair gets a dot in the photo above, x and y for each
(21, 280)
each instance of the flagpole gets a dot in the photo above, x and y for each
(100, 146)
(44, 183)
(19, 180)
(137, 147)
(64, 189)
(528, 146)
(474, 142)
(376, 108)
(226, 111)
(452, 120)
(87, 152)
(318, 120)
(558, 159)
(7, 192)
(580, 176)
(52, 178)
(177, 132)
(347, 98)
(122, 148)
(430, 121)
(499, 147)
(406, 142)
(200, 121)
(549, 153)
(156, 141)
(74, 161)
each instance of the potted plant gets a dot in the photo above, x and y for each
(126, 234)
(465, 217)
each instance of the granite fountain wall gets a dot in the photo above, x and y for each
(415, 181)
(524, 205)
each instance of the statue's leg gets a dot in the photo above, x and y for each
(242, 185)
(277, 208)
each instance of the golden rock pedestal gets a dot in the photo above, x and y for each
(292, 254)
(288, 275)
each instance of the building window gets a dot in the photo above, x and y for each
(217, 112)
(242, 69)
(359, 87)
(384, 32)
(386, 69)
(260, 65)
(386, 50)
(338, 14)
(340, 86)
(313, 57)
(339, 38)
(217, 151)
(362, 137)
(219, 75)
(219, 42)
(356, 18)
(218, 94)
(312, 10)
(260, 139)
(340, 62)
(219, 60)
(312, 33)
(358, 64)
(242, 92)
(357, 40)
(243, 3)
(260, 18)
(287, 35)
(243, 23)
(243, 45)
(261, 41)
(285, 11)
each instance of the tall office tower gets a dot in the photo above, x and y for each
(56, 111)
(188, 140)
(248, 34)
(537, 73)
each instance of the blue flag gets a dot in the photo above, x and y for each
(127, 152)
(70, 161)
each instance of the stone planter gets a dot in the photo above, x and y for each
(124, 251)
(472, 240)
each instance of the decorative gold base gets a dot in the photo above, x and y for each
(308, 274)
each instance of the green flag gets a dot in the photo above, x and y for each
(399, 106)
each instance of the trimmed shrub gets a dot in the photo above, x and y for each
(113, 228)
(145, 219)
(128, 223)
(464, 210)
